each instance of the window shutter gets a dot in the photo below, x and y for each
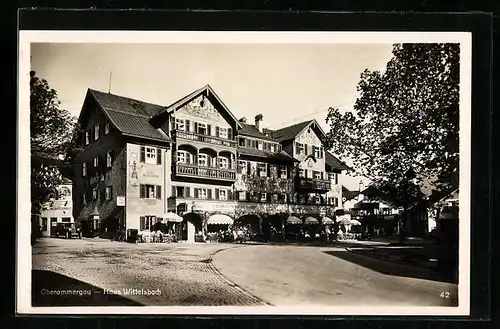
(188, 157)
(174, 191)
(158, 192)
(196, 127)
(142, 191)
(158, 156)
(209, 193)
(196, 193)
(187, 126)
(209, 130)
(195, 159)
(217, 131)
(187, 191)
(230, 133)
(229, 194)
(216, 194)
(321, 152)
(172, 124)
(142, 222)
(143, 155)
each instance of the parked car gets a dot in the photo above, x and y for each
(68, 230)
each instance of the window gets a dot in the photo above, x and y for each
(109, 159)
(182, 191)
(150, 155)
(181, 157)
(202, 193)
(317, 175)
(302, 173)
(333, 201)
(150, 191)
(106, 128)
(242, 196)
(273, 170)
(262, 169)
(260, 145)
(202, 160)
(84, 169)
(222, 194)
(44, 224)
(223, 132)
(180, 124)
(108, 195)
(201, 128)
(334, 177)
(96, 161)
(84, 198)
(147, 222)
(66, 219)
(316, 152)
(223, 163)
(94, 193)
(263, 197)
(299, 147)
(242, 167)
(283, 172)
(96, 132)
(242, 142)
(87, 137)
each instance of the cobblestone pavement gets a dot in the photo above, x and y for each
(182, 272)
(297, 275)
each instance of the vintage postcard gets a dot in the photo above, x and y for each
(292, 173)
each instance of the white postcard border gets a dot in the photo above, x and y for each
(24, 255)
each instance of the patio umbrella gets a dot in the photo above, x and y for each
(293, 220)
(355, 222)
(172, 217)
(327, 221)
(345, 221)
(311, 221)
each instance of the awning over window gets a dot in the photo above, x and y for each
(292, 220)
(220, 219)
(311, 221)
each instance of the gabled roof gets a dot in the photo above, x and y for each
(252, 131)
(206, 90)
(348, 194)
(281, 156)
(333, 163)
(293, 131)
(131, 117)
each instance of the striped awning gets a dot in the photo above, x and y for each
(292, 220)
(311, 221)
(219, 219)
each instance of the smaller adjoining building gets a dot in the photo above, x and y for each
(57, 210)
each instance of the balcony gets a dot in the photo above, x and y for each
(184, 170)
(204, 139)
(312, 184)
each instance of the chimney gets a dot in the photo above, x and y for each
(361, 188)
(258, 119)
(243, 120)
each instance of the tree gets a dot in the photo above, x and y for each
(53, 138)
(403, 132)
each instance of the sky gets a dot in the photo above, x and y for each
(286, 83)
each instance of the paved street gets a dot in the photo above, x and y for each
(224, 274)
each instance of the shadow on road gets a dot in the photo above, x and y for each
(390, 268)
(54, 289)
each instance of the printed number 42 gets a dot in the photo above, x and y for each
(445, 294)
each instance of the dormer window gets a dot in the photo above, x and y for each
(299, 147)
(260, 145)
(106, 128)
(179, 124)
(317, 152)
(87, 137)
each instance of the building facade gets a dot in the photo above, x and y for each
(57, 211)
(194, 158)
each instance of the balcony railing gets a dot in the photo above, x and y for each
(205, 139)
(204, 172)
(314, 184)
